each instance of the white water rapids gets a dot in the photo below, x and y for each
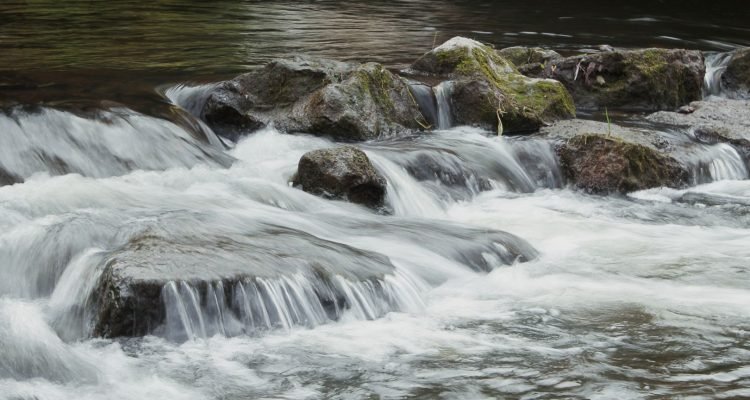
(638, 297)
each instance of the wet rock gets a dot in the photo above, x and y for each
(6, 178)
(130, 297)
(341, 173)
(487, 91)
(602, 159)
(736, 78)
(714, 121)
(647, 79)
(345, 101)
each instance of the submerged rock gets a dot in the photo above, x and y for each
(601, 158)
(647, 79)
(345, 101)
(486, 90)
(736, 78)
(341, 173)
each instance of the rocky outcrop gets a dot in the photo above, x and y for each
(341, 173)
(648, 79)
(349, 102)
(486, 90)
(602, 159)
(713, 121)
(736, 78)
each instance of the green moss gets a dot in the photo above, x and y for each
(377, 82)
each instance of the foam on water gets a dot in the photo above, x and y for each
(627, 297)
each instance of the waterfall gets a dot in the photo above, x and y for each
(257, 305)
(716, 163)
(716, 64)
(442, 98)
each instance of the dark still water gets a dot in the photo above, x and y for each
(128, 46)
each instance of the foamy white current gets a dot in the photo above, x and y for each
(645, 296)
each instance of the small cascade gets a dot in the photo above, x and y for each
(405, 195)
(425, 99)
(257, 305)
(106, 143)
(442, 98)
(716, 64)
(716, 163)
(540, 162)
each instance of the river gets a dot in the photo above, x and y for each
(629, 297)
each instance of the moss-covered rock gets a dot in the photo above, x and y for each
(486, 90)
(601, 158)
(648, 79)
(341, 173)
(528, 57)
(736, 78)
(369, 102)
(322, 97)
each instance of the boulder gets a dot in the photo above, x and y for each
(144, 281)
(341, 173)
(736, 78)
(602, 159)
(647, 79)
(349, 102)
(487, 91)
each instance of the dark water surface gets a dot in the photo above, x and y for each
(120, 50)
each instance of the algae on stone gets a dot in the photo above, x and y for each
(488, 91)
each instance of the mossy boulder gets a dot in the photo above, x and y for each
(736, 78)
(486, 90)
(323, 97)
(603, 159)
(647, 79)
(343, 173)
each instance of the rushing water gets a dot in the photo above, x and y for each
(490, 277)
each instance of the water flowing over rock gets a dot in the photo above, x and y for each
(715, 120)
(487, 91)
(736, 77)
(647, 79)
(106, 143)
(341, 173)
(350, 102)
(132, 288)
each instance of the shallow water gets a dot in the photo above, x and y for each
(638, 296)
